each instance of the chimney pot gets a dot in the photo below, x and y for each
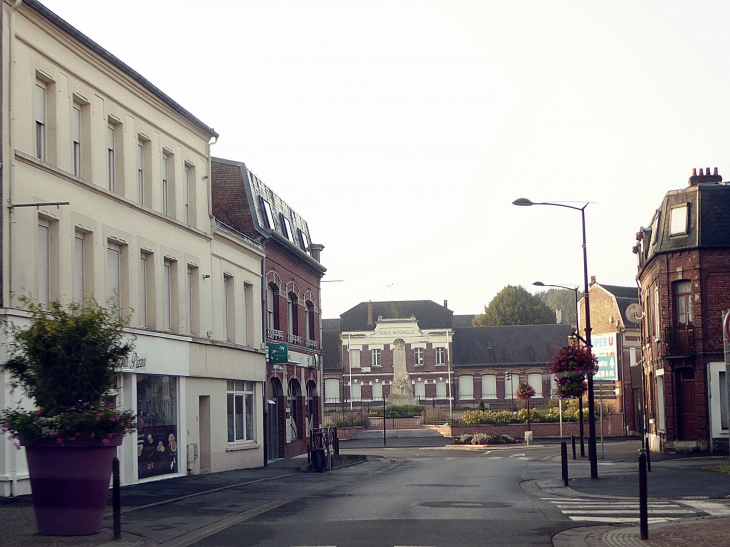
(446, 303)
(694, 171)
(702, 172)
(707, 171)
(715, 173)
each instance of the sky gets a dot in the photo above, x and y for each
(402, 131)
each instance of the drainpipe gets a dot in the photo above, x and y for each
(8, 181)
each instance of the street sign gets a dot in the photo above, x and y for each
(279, 353)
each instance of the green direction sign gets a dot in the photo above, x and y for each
(279, 353)
(607, 369)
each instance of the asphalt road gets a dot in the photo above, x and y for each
(430, 496)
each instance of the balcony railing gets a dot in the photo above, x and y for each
(273, 334)
(295, 339)
(312, 344)
(679, 339)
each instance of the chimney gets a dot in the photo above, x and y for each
(704, 177)
(446, 304)
(370, 312)
(593, 280)
(316, 249)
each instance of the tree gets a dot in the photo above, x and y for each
(561, 299)
(515, 306)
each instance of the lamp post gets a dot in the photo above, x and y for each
(592, 456)
(560, 401)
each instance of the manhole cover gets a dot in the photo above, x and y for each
(466, 504)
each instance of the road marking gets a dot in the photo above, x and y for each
(620, 510)
(517, 455)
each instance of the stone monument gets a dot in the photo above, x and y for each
(401, 391)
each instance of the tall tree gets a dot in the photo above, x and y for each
(561, 299)
(515, 306)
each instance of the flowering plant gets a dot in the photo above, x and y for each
(93, 423)
(525, 392)
(66, 360)
(571, 365)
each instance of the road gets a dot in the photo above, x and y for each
(407, 496)
(433, 496)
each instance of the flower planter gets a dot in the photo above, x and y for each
(70, 484)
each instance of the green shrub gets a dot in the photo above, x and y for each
(399, 411)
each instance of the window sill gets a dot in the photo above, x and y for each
(245, 445)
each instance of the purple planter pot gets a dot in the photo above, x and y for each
(70, 484)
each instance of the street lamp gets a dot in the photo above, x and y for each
(592, 456)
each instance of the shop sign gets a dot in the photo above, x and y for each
(279, 353)
(134, 362)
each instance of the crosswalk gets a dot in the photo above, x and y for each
(620, 511)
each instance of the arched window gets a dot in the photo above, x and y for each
(310, 322)
(272, 309)
(293, 316)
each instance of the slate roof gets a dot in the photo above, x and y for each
(428, 313)
(508, 345)
(118, 63)
(463, 321)
(625, 296)
(331, 345)
(708, 222)
(256, 193)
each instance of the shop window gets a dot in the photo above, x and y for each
(157, 449)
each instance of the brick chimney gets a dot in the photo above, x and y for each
(704, 176)
(446, 304)
(370, 312)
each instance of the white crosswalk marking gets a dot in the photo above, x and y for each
(619, 511)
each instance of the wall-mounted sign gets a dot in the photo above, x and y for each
(604, 348)
(279, 353)
(134, 362)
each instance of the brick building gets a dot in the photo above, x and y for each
(616, 340)
(473, 363)
(684, 274)
(292, 274)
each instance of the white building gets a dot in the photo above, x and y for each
(105, 194)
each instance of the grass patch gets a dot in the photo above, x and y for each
(718, 468)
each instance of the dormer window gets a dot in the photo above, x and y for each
(268, 215)
(678, 218)
(286, 226)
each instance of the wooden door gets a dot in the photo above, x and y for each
(686, 404)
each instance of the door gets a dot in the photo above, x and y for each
(686, 405)
(273, 429)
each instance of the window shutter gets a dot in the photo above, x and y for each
(40, 104)
(143, 291)
(113, 253)
(167, 295)
(79, 268)
(44, 274)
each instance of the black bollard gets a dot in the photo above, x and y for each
(572, 440)
(564, 461)
(116, 499)
(648, 457)
(643, 498)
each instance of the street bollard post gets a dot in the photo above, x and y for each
(643, 498)
(564, 461)
(572, 440)
(648, 457)
(116, 499)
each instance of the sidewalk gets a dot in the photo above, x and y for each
(17, 519)
(672, 477)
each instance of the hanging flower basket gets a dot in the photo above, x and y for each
(571, 366)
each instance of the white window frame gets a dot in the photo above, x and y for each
(377, 357)
(79, 268)
(229, 307)
(356, 391)
(41, 125)
(44, 262)
(441, 356)
(466, 387)
(268, 215)
(441, 392)
(489, 386)
(535, 377)
(167, 282)
(241, 428)
(76, 138)
(144, 259)
(111, 165)
(377, 388)
(354, 358)
(114, 274)
(418, 357)
(332, 385)
(140, 171)
(679, 220)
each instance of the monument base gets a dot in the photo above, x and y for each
(400, 399)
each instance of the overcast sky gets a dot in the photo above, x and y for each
(403, 130)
